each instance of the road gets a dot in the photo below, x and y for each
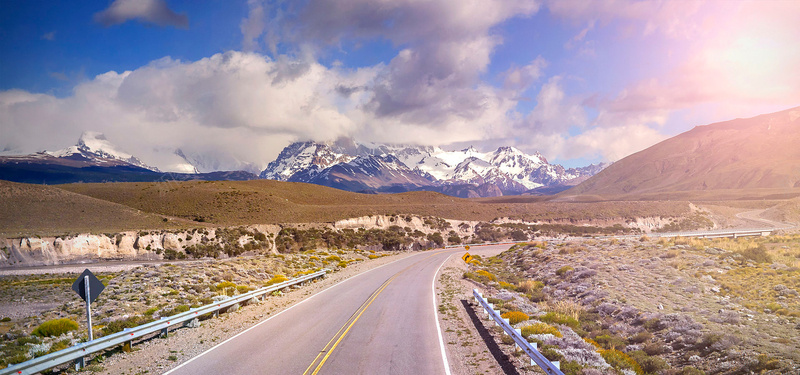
(382, 321)
(754, 217)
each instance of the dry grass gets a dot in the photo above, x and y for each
(265, 201)
(44, 210)
(564, 307)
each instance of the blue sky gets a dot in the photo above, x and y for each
(236, 81)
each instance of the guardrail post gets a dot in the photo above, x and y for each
(80, 363)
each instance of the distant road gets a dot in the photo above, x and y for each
(382, 321)
(754, 217)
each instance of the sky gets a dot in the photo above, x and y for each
(579, 81)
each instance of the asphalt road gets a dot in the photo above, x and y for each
(382, 321)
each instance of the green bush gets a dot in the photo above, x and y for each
(610, 341)
(225, 284)
(540, 329)
(620, 360)
(56, 327)
(121, 324)
(563, 270)
(648, 364)
(557, 318)
(758, 255)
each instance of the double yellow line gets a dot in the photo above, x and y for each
(339, 336)
(328, 349)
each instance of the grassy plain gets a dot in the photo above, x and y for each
(265, 201)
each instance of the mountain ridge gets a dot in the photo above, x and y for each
(462, 173)
(744, 153)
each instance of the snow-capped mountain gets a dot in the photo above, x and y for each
(353, 166)
(213, 161)
(95, 159)
(95, 147)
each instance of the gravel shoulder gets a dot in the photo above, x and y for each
(472, 343)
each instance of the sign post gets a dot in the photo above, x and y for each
(88, 287)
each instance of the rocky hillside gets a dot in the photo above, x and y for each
(753, 153)
(642, 306)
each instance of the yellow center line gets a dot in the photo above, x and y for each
(328, 354)
(355, 316)
(352, 321)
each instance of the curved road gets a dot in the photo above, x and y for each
(382, 321)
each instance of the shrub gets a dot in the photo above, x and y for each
(557, 318)
(563, 270)
(550, 353)
(620, 360)
(515, 317)
(505, 285)
(610, 341)
(242, 289)
(758, 254)
(177, 310)
(119, 325)
(640, 337)
(60, 345)
(654, 348)
(226, 287)
(277, 279)
(764, 363)
(529, 285)
(540, 329)
(56, 327)
(486, 274)
(648, 364)
(373, 256)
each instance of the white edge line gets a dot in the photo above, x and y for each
(436, 316)
(291, 307)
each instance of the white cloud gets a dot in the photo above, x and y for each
(520, 78)
(244, 105)
(150, 11)
(253, 26)
(611, 143)
(554, 111)
(447, 45)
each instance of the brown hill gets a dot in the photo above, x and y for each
(45, 210)
(755, 153)
(272, 202)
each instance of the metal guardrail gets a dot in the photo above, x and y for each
(530, 349)
(77, 352)
(735, 233)
(484, 244)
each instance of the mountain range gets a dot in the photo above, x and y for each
(753, 153)
(353, 166)
(95, 159)
(343, 164)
